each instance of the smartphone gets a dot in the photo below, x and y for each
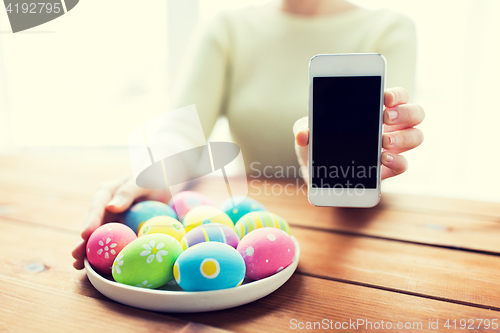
(346, 101)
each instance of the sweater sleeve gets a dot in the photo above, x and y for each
(202, 78)
(201, 81)
(397, 42)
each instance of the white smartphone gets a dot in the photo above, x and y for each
(346, 102)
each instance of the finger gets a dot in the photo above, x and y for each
(396, 96)
(404, 116)
(394, 165)
(301, 125)
(302, 153)
(78, 264)
(301, 132)
(79, 251)
(97, 208)
(124, 196)
(93, 221)
(302, 138)
(400, 141)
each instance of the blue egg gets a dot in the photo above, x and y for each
(139, 213)
(238, 206)
(209, 266)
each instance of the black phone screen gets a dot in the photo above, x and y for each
(346, 124)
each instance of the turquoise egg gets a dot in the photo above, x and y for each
(238, 206)
(139, 213)
(209, 266)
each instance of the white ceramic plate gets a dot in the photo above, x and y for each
(175, 300)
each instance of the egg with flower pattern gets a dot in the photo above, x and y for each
(147, 261)
(238, 206)
(105, 243)
(209, 266)
(256, 220)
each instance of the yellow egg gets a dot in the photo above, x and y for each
(163, 225)
(206, 214)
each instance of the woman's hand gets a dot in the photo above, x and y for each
(399, 135)
(111, 199)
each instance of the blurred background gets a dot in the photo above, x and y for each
(88, 78)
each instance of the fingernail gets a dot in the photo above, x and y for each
(115, 202)
(391, 140)
(389, 158)
(393, 97)
(392, 114)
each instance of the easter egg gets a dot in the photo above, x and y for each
(205, 214)
(139, 213)
(238, 206)
(105, 243)
(147, 262)
(184, 201)
(211, 232)
(209, 266)
(266, 251)
(255, 220)
(163, 225)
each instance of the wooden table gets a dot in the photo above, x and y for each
(410, 260)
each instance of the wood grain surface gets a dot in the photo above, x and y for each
(412, 259)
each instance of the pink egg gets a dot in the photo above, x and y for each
(184, 201)
(266, 251)
(105, 243)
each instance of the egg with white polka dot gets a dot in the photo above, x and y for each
(256, 220)
(139, 213)
(209, 266)
(105, 243)
(183, 202)
(266, 251)
(238, 206)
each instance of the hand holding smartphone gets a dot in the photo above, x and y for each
(345, 129)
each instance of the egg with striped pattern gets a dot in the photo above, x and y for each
(209, 266)
(212, 232)
(256, 220)
(238, 206)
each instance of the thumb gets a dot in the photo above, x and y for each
(124, 196)
(301, 132)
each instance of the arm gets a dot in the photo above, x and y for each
(397, 42)
(202, 81)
